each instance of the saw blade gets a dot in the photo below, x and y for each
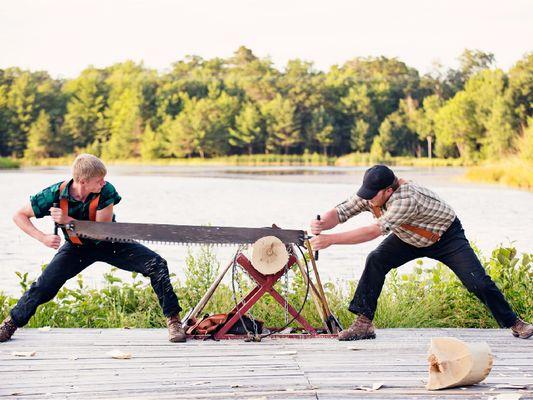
(134, 232)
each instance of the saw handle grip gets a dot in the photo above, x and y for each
(56, 226)
(316, 252)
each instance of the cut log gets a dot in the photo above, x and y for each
(453, 362)
(269, 255)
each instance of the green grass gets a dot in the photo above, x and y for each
(364, 159)
(430, 296)
(512, 172)
(314, 159)
(8, 163)
(245, 160)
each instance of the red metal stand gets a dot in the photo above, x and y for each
(265, 284)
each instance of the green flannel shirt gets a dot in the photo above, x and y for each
(42, 201)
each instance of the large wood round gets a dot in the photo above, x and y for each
(453, 362)
(269, 255)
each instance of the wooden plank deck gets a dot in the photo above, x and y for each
(72, 363)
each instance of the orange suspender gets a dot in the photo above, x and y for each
(434, 237)
(63, 204)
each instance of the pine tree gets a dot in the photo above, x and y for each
(247, 128)
(322, 129)
(281, 126)
(152, 146)
(40, 138)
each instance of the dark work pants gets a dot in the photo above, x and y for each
(71, 259)
(453, 250)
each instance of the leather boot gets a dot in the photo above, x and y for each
(361, 328)
(7, 329)
(521, 329)
(176, 333)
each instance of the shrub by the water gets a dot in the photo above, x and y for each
(429, 296)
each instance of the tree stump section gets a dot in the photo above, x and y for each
(269, 255)
(453, 362)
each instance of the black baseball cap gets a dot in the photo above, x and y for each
(376, 178)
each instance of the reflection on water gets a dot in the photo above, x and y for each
(277, 171)
(254, 197)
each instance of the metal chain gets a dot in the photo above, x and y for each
(286, 294)
(241, 294)
(258, 337)
(288, 268)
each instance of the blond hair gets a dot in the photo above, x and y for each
(87, 166)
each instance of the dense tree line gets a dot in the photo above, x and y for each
(244, 105)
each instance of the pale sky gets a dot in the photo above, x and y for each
(65, 36)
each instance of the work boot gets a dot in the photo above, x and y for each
(361, 328)
(521, 329)
(176, 333)
(7, 329)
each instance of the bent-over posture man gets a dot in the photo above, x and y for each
(85, 197)
(419, 224)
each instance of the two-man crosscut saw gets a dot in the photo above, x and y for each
(186, 234)
(193, 234)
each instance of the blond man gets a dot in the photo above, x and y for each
(87, 196)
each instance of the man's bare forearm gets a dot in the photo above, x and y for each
(359, 235)
(24, 223)
(330, 219)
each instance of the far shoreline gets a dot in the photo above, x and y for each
(512, 172)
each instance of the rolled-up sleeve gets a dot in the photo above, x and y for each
(109, 195)
(42, 201)
(400, 212)
(351, 207)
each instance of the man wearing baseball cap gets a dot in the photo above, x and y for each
(418, 224)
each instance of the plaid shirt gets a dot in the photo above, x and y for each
(409, 204)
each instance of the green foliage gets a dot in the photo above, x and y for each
(525, 143)
(396, 134)
(20, 106)
(152, 144)
(248, 128)
(434, 297)
(521, 87)
(282, 130)
(456, 126)
(129, 96)
(358, 104)
(124, 126)
(426, 120)
(500, 135)
(474, 61)
(427, 297)
(479, 120)
(8, 163)
(360, 135)
(378, 152)
(201, 271)
(84, 120)
(41, 138)
(322, 129)
(243, 105)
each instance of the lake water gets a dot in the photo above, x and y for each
(254, 197)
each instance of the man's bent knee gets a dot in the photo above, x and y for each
(155, 266)
(375, 259)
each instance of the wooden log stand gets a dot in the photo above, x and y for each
(265, 284)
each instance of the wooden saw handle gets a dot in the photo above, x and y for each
(316, 252)
(56, 226)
